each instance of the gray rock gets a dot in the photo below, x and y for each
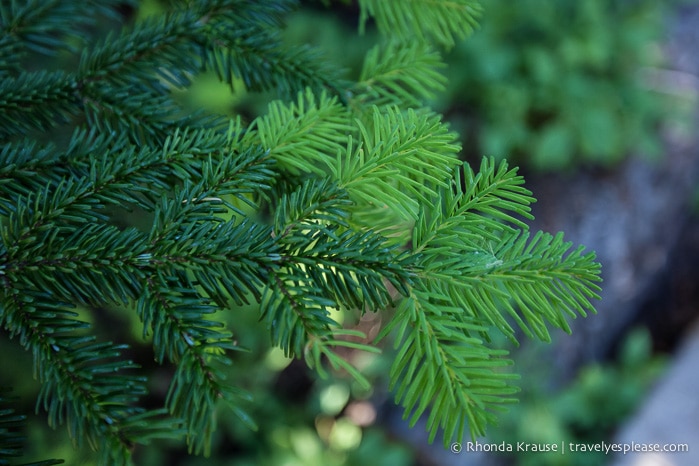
(669, 418)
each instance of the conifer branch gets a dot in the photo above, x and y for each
(436, 20)
(401, 158)
(50, 25)
(443, 364)
(83, 381)
(183, 333)
(304, 135)
(37, 100)
(11, 438)
(295, 310)
(401, 74)
(313, 205)
(162, 51)
(470, 267)
(343, 196)
(10, 48)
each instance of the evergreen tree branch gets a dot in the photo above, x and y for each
(402, 159)
(295, 310)
(196, 387)
(182, 332)
(244, 42)
(442, 364)
(288, 70)
(323, 268)
(154, 53)
(48, 26)
(303, 136)
(475, 206)
(406, 153)
(198, 243)
(228, 260)
(439, 20)
(297, 313)
(10, 50)
(484, 265)
(83, 382)
(367, 200)
(11, 438)
(350, 266)
(74, 186)
(315, 204)
(534, 289)
(37, 100)
(401, 74)
(495, 195)
(472, 269)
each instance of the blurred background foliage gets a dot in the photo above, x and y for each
(555, 85)
(551, 85)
